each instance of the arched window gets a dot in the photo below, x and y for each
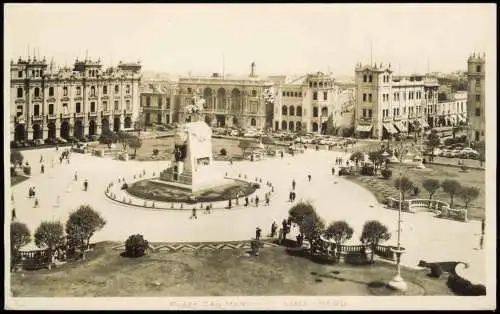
(315, 84)
(65, 91)
(283, 125)
(37, 92)
(51, 91)
(298, 126)
(292, 111)
(299, 111)
(324, 112)
(284, 110)
(315, 127)
(320, 84)
(290, 126)
(92, 91)
(315, 111)
(253, 122)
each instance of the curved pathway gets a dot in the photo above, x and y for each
(336, 198)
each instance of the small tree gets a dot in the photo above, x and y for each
(244, 145)
(373, 233)
(81, 226)
(123, 137)
(357, 155)
(300, 210)
(433, 142)
(468, 194)
(19, 237)
(404, 185)
(339, 231)
(135, 143)
(108, 137)
(431, 186)
(375, 157)
(49, 234)
(452, 187)
(16, 157)
(312, 227)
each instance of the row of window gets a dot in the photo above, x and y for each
(39, 73)
(160, 102)
(78, 108)
(292, 94)
(385, 97)
(315, 96)
(367, 78)
(320, 84)
(291, 112)
(20, 91)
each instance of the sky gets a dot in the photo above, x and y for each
(279, 38)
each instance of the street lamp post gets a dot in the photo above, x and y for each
(397, 281)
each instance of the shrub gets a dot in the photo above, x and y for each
(256, 185)
(124, 186)
(223, 152)
(136, 246)
(156, 151)
(368, 170)
(386, 173)
(16, 157)
(464, 287)
(436, 271)
(357, 155)
(27, 170)
(19, 236)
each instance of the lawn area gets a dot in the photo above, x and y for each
(214, 273)
(148, 189)
(439, 172)
(17, 179)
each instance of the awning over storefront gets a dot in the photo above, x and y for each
(400, 126)
(364, 128)
(390, 128)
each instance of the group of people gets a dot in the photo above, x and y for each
(64, 155)
(339, 161)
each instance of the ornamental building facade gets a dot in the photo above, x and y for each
(71, 102)
(386, 105)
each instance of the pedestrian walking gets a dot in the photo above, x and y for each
(293, 184)
(267, 200)
(246, 201)
(36, 202)
(257, 201)
(481, 242)
(483, 226)
(309, 177)
(333, 171)
(290, 196)
(76, 176)
(41, 158)
(13, 214)
(293, 196)
(273, 229)
(85, 184)
(194, 213)
(42, 169)
(257, 233)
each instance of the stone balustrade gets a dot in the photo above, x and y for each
(440, 207)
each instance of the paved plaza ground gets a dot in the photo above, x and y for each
(423, 236)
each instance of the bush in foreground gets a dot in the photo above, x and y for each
(136, 245)
(386, 173)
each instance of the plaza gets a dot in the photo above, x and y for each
(335, 198)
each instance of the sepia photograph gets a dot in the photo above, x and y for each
(250, 156)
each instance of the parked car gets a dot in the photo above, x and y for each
(15, 144)
(345, 171)
(24, 143)
(39, 142)
(50, 141)
(234, 133)
(445, 152)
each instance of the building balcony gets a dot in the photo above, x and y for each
(93, 97)
(93, 114)
(365, 119)
(52, 116)
(19, 101)
(106, 113)
(36, 118)
(66, 115)
(19, 119)
(397, 118)
(105, 97)
(387, 119)
(79, 115)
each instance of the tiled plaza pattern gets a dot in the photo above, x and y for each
(335, 198)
